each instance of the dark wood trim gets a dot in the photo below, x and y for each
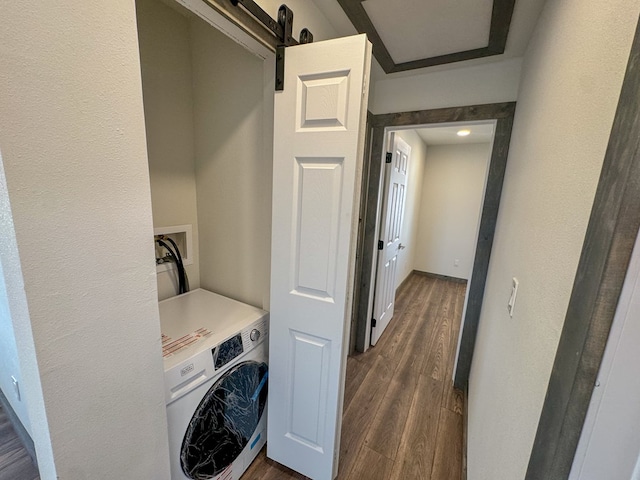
(445, 115)
(609, 241)
(503, 113)
(488, 220)
(22, 433)
(500, 23)
(363, 24)
(441, 277)
(465, 433)
(368, 252)
(366, 167)
(499, 31)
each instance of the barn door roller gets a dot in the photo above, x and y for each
(281, 28)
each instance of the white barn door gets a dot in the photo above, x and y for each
(318, 147)
(389, 236)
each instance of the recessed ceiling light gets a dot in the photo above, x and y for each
(463, 133)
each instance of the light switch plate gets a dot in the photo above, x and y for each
(16, 387)
(514, 292)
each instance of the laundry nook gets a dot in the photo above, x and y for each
(245, 225)
(210, 188)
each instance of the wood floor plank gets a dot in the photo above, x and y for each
(415, 291)
(453, 399)
(447, 461)
(414, 459)
(405, 293)
(438, 344)
(356, 373)
(371, 466)
(15, 462)
(363, 408)
(387, 427)
(425, 301)
(437, 332)
(386, 430)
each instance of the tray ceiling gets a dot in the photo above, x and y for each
(416, 34)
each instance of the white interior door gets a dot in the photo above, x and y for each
(318, 147)
(389, 245)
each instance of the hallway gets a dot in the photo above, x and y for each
(402, 417)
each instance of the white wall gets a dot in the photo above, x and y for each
(488, 83)
(452, 194)
(165, 57)
(233, 176)
(572, 75)
(410, 222)
(76, 218)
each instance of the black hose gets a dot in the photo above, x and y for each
(179, 266)
(185, 280)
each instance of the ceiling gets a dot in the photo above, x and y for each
(436, 34)
(448, 135)
(411, 30)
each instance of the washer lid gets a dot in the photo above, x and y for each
(200, 319)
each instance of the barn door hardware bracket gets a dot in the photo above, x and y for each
(282, 29)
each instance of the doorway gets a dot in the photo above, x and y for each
(379, 125)
(440, 204)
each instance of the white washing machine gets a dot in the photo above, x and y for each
(215, 371)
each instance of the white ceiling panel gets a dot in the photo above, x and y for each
(417, 29)
(448, 135)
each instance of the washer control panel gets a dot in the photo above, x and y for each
(255, 333)
(239, 344)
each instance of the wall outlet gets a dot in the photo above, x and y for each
(514, 292)
(456, 262)
(16, 387)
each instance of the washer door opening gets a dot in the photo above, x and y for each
(224, 421)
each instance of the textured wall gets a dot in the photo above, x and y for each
(571, 80)
(489, 83)
(233, 175)
(165, 57)
(452, 190)
(79, 271)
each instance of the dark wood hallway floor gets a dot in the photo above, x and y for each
(15, 463)
(402, 417)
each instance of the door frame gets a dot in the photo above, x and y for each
(503, 114)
